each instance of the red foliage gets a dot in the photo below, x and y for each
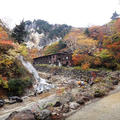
(4, 39)
(114, 46)
(6, 42)
(97, 32)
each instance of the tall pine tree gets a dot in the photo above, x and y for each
(19, 32)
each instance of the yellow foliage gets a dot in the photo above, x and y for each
(51, 49)
(7, 60)
(97, 80)
(104, 53)
(77, 40)
(3, 82)
(83, 40)
(19, 49)
(23, 50)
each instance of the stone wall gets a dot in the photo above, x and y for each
(76, 73)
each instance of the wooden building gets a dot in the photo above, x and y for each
(59, 59)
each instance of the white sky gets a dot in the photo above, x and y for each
(78, 13)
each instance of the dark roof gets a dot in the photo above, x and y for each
(53, 54)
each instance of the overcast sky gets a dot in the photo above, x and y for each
(78, 13)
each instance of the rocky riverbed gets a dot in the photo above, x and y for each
(70, 94)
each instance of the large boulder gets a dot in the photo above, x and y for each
(2, 103)
(43, 115)
(57, 104)
(23, 115)
(65, 108)
(99, 93)
(74, 105)
(115, 82)
(81, 101)
(15, 98)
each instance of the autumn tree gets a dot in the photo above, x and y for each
(117, 25)
(54, 48)
(34, 52)
(77, 40)
(112, 43)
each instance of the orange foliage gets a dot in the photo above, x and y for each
(4, 78)
(97, 61)
(115, 47)
(85, 66)
(77, 59)
(34, 52)
(3, 35)
(117, 25)
(4, 38)
(6, 42)
(112, 43)
(97, 32)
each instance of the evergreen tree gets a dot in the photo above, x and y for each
(115, 16)
(19, 32)
(87, 31)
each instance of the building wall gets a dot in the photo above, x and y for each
(55, 59)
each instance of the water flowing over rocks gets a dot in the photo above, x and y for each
(40, 84)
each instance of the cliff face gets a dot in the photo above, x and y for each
(40, 33)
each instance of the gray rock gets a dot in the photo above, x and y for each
(23, 115)
(86, 98)
(43, 115)
(74, 105)
(65, 108)
(2, 103)
(10, 102)
(15, 98)
(115, 82)
(98, 94)
(81, 101)
(57, 104)
(72, 83)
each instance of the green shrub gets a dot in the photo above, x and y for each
(17, 86)
(99, 93)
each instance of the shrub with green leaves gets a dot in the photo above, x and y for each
(17, 86)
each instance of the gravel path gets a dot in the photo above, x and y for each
(107, 108)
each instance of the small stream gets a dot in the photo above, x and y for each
(40, 84)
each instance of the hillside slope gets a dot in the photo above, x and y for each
(14, 78)
(39, 33)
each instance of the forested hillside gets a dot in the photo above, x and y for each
(39, 33)
(104, 52)
(94, 47)
(13, 76)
